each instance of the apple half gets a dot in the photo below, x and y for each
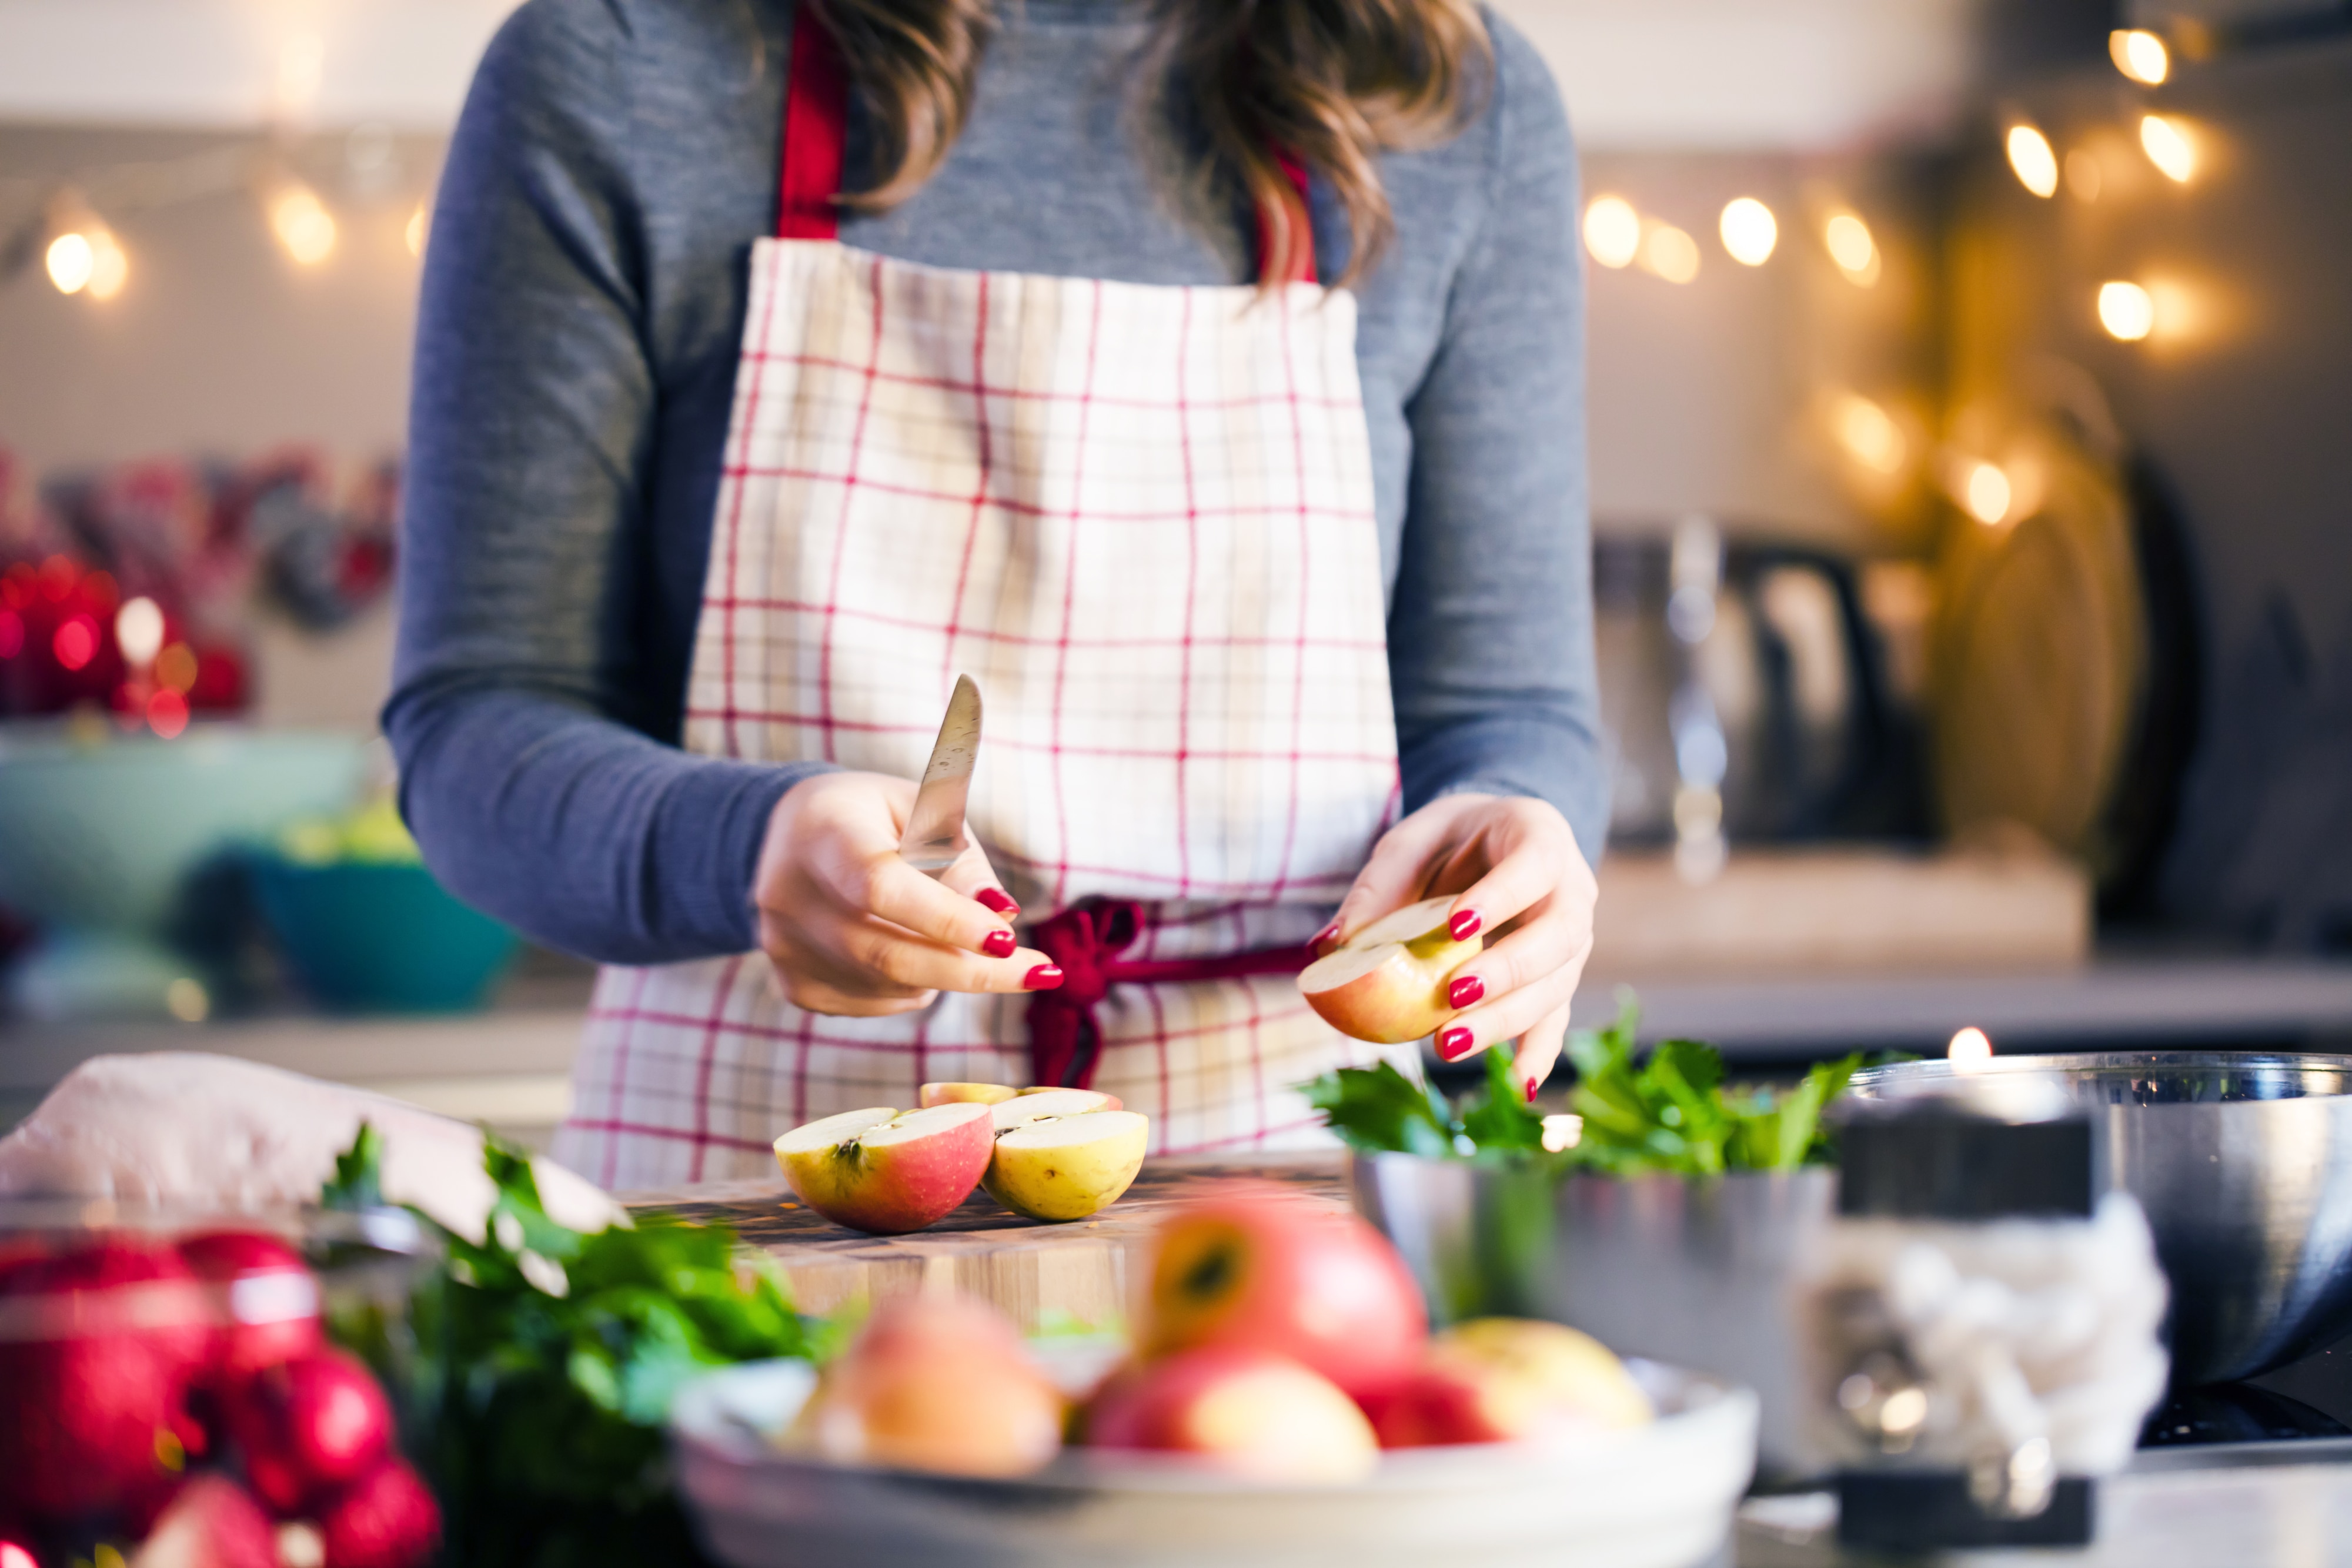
(1067, 1167)
(1044, 1104)
(888, 1171)
(932, 1094)
(1386, 984)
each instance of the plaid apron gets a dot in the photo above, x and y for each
(1140, 517)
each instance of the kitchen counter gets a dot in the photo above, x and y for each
(2259, 1515)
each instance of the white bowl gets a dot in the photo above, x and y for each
(1659, 1496)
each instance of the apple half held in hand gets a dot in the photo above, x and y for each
(1067, 1167)
(1386, 984)
(888, 1171)
(932, 1094)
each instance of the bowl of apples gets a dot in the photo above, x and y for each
(1280, 1400)
(176, 1389)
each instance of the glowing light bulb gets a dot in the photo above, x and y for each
(1869, 434)
(2126, 310)
(2031, 156)
(1852, 247)
(1986, 494)
(302, 224)
(2140, 55)
(1670, 254)
(1613, 231)
(2165, 141)
(415, 233)
(72, 263)
(1749, 231)
(139, 631)
(1970, 1045)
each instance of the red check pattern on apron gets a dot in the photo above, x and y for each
(1140, 517)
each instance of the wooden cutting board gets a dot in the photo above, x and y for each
(1035, 1272)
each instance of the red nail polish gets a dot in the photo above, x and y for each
(1531, 1091)
(1463, 992)
(1454, 1045)
(1464, 925)
(996, 900)
(1043, 978)
(997, 943)
(1324, 937)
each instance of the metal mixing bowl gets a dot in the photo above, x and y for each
(2243, 1163)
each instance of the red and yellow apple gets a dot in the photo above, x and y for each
(1260, 1269)
(932, 1094)
(1067, 1167)
(888, 1171)
(935, 1383)
(1500, 1380)
(1386, 984)
(1261, 1415)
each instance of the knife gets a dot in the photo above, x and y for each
(934, 836)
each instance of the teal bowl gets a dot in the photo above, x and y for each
(103, 835)
(365, 938)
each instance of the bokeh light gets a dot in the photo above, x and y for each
(1669, 253)
(2126, 310)
(1971, 1044)
(139, 631)
(2165, 141)
(1869, 434)
(1851, 246)
(167, 713)
(414, 233)
(2140, 55)
(1613, 231)
(302, 224)
(1986, 493)
(1749, 231)
(2031, 156)
(71, 262)
(75, 642)
(175, 668)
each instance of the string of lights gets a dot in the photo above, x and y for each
(67, 232)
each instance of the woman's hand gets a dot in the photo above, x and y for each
(855, 931)
(1519, 877)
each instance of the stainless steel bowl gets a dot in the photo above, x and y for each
(1691, 1273)
(2243, 1163)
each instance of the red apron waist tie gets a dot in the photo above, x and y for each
(1064, 1040)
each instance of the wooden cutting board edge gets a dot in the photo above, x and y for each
(1074, 1275)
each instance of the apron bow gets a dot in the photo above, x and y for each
(1085, 942)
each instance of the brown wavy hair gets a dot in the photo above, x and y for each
(1328, 82)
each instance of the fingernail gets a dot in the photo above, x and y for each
(1465, 991)
(1464, 925)
(1531, 1091)
(997, 943)
(1323, 938)
(1454, 1045)
(996, 900)
(1043, 978)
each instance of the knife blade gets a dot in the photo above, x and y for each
(934, 836)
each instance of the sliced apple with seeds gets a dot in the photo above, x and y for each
(1067, 1167)
(1386, 984)
(954, 1094)
(888, 1171)
(1043, 1105)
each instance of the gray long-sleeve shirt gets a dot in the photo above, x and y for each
(582, 309)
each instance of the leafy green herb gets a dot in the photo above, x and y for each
(1669, 1112)
(545, 1361)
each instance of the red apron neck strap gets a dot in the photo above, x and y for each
(815, 131)
(815, 140)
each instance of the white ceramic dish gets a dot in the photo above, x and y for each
(1658, 1497)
